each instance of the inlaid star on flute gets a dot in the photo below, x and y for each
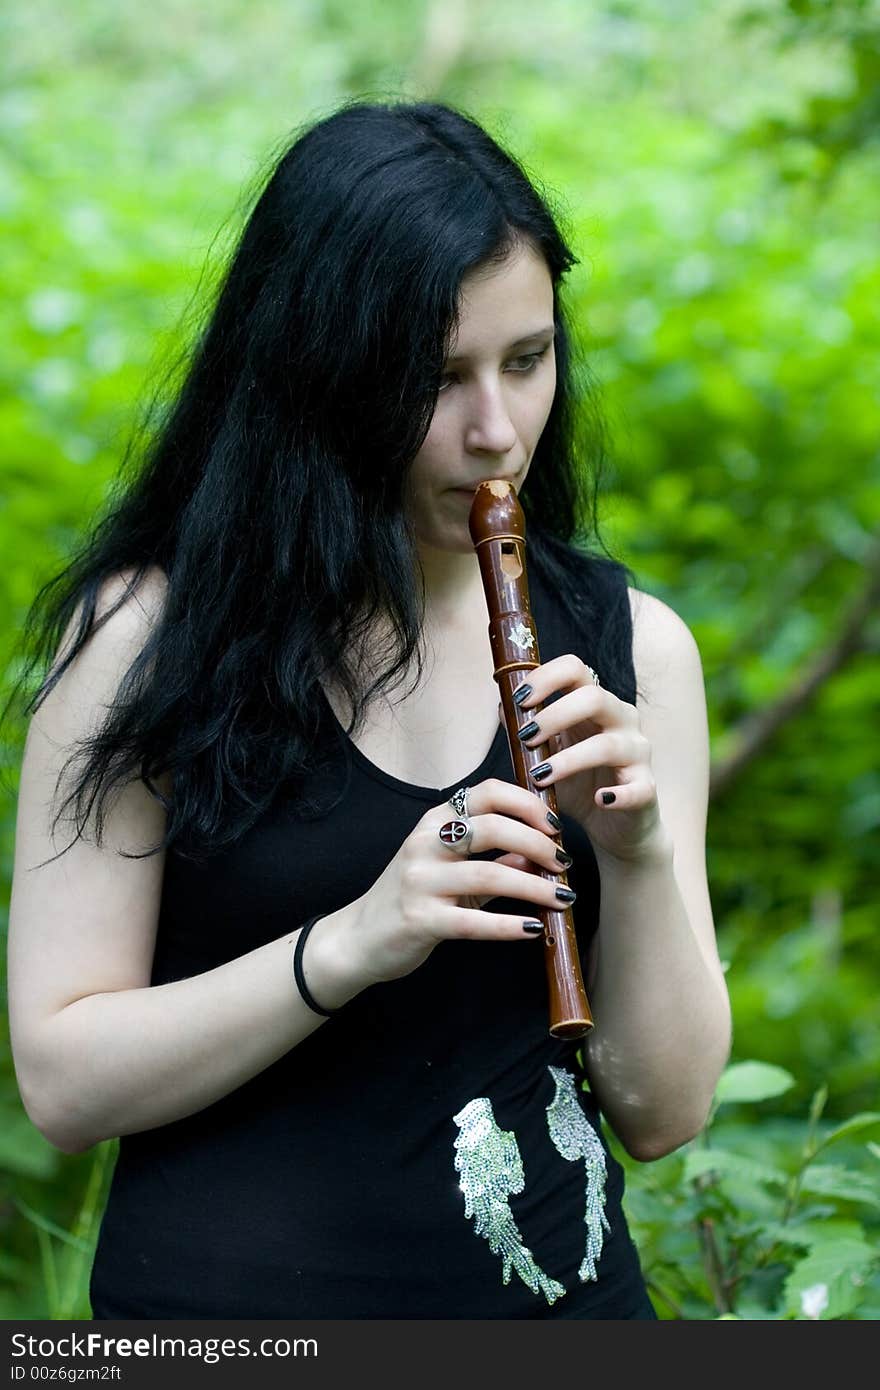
(522, 637)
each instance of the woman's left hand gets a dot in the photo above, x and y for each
(595, 748)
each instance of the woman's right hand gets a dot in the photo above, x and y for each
(429, 893)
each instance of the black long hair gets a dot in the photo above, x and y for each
(271, 491)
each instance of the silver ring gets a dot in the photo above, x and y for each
(593, 677)
(458, 802)
(457, 836)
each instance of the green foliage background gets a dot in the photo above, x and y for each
(716, 167)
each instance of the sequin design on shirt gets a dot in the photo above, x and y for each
(575, 1138)
(489, 1161)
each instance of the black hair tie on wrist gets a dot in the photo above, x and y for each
(298, 967)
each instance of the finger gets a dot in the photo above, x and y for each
(506, 798)
(560, 673)
(511, 861)
(488, 879)
(566, 672)
(627, 796)
(471, 924)
(518, 861)
(560, 717)
(586, 704)
(534, 847)
(613, 749)
(495, 832)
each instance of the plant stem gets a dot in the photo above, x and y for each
(83, 1229)
(50, 1278)
(810, 1149)
(714, 1265)
(661, 1293)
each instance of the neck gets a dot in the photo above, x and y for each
(453, 589)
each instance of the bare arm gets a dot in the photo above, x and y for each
(661, 1012)
(659, 999)
(115, 1063)
(98, 1051)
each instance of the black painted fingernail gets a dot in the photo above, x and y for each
(565, 859)
(533, 926)
(521, 693)
(554, 821)
(566, 895)
(541, 771)
(528, 730)
(608, 797)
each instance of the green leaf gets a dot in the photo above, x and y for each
(23, 1149)
(47, 1226)
(729, 1165)
(13, 1268)
(752, 1081)
(809, 1235)
(828, 1283)
(868, 1119)
(834, 1180)
(750, 1311)
(817, 1105)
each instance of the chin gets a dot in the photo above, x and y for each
(454, 538)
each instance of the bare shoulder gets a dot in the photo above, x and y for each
(145, 594)
(665, 651)
(126, 609)
(673, 716)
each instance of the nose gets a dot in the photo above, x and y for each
(489, 426)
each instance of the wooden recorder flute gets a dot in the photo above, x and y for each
(497, 528)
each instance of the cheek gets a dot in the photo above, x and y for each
(439, 431)
(435, 447)
(425, 466)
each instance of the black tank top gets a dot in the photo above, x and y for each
(428, 1152)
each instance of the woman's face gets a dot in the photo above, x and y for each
(495, 396)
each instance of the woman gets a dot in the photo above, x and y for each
(316, 1025)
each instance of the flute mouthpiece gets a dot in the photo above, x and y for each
(496, 511)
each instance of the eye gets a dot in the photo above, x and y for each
(520, 365)
(531, 359)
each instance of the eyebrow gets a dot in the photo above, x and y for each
(549, 333)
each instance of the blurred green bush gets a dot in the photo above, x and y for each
(716, 168)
